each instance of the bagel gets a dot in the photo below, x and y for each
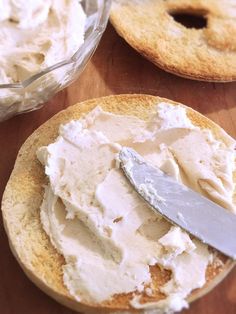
(23, 196)
(207, 53)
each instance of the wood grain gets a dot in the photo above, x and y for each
(114, 69)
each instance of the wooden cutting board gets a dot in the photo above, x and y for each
(114, 69)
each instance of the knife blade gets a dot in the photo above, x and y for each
(204, 219)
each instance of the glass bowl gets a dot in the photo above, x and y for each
(33, 92)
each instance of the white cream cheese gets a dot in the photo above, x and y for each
(107, 234)
(36, 34)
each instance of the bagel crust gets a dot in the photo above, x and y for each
(207, 54)
(24, 193)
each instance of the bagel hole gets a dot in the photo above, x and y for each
(190, 20)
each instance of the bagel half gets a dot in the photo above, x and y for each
(206, 54)
(24, 193)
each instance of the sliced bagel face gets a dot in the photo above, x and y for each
(24, 193)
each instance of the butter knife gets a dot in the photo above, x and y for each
(204, 219)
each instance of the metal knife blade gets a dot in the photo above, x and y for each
(204, 219)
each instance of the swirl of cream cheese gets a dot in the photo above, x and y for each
(36, 34)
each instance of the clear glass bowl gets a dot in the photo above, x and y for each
(32, 93)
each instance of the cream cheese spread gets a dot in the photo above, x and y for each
(107, 234)
(36, 34)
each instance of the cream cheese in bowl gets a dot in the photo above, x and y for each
(44, 46)
(36, 34)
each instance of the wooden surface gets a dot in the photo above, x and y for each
(114, 69)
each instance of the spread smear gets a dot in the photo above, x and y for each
(107, 234)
